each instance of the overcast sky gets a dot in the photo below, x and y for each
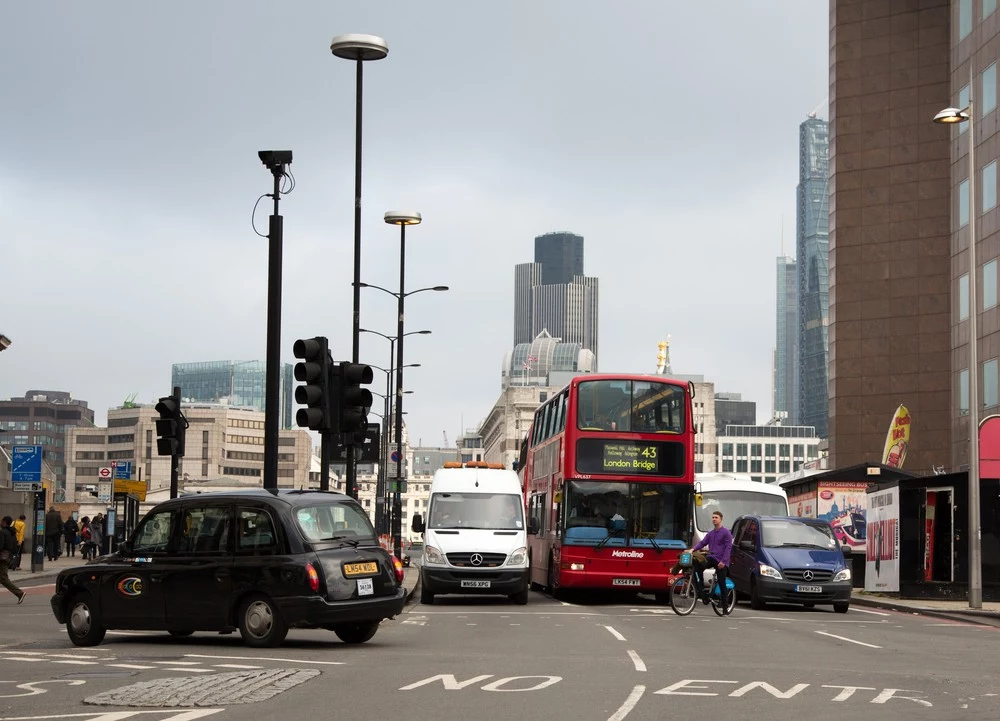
(664, 132)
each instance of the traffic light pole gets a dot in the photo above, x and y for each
(324, 460)
(272, 374)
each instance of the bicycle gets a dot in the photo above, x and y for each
(684, 596)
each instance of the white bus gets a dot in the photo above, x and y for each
(735, 495)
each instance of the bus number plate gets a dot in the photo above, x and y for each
(624, 581)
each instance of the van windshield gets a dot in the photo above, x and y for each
(476, 510)
(334, 521)
(796, 534)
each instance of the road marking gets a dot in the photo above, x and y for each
(25, 653)
(234, 665)
(118, 715)
(78, 663)
(136, 666)
(178, 663)
(849, 640)
(265, 658)
(615, 633)
(186, 668)
(638, 662)
(31, 687)
(69, 655)
(24, 659)
(865, 610)
(630, 702)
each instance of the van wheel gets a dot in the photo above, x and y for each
(83, 622)
(841, 607)
(756, 602)
(356, 632)
(521, 597)
(260, 622)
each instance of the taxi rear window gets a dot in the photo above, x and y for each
(334, 521)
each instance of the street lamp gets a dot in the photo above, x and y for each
(950, 116)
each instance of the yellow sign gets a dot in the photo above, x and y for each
(897, 440)
(134, 488)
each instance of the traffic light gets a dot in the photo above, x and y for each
(170, 427)
(314, 372)
(351, 400)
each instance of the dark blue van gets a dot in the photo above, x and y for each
(790, 560)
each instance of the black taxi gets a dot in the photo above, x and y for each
(260, 561)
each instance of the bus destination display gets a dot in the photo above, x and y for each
(629, 458)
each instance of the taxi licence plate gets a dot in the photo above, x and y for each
(809, 589)
(368, 568)
(625, 582)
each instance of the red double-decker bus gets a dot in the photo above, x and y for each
(608, 473)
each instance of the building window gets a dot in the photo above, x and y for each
(784, 450)
(769, 466)
(964, 18)
(988, 7)
(741, 465)
(963, 203)
(989, 187)
(741, 449)
(963, 297)
(755, 449)
(769, 451)
(727, 465)
(963, 391)
(755, 465)
(990, 381)
(727, 450)
(989, 96)
(963, 102)
(990, 284)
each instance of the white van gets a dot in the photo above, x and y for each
(474, 533)
(735, 495)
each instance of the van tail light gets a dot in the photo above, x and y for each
(397, 567)
(313, 577)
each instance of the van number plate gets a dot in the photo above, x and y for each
(809, 589)
(624, 581)
(475, 584)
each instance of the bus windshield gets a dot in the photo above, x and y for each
(637, 514)
(630, 406)
(734, 504)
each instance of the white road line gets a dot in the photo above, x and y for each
(129, 633)
(78, 663)
(186, 668)
(630, 702)
(640, 665)
(234, 665)
(25, 653)
(69, 655)
(615, 633)
(265, 658)
(865, 610)
(24, 659)
(849, 640)
(118, 715)
(178, 663)
(137, 666)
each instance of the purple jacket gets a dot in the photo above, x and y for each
(720, 544)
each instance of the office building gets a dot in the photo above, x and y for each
(786, 348)
(731, 409)
(812, 250)
(898, 225)
(236, 383)
(767, 452)
(42, 418)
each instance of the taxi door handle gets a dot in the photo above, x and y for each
(156, 577)
(222, 574)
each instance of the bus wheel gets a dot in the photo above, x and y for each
(554, 589)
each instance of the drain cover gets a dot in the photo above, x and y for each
(208, 690)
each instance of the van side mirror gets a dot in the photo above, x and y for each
(533, 526)
(417, 526)
(847, 551)
(747, 546)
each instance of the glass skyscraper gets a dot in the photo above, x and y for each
(812, 251)
(786, 342)
(234, 383)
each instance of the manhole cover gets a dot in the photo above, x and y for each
(209, 690)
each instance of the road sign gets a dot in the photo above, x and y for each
(25, 486)
(123, 470)
(394, 457)
(106, 473)
(26, 464)
(134, 488)
(104, 492)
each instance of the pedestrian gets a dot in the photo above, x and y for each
(8, 544)
(85, 543)
(70, 532)
(53, 533)
(19, 526)
(96, 536)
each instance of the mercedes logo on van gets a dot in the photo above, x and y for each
(807, 575)
(477, 559)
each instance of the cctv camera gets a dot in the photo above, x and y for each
(275, 158)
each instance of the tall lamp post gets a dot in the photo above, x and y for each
(359, 48)
(951, 116)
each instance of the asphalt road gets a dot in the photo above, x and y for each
(463, 657)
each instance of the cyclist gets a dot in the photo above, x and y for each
(720, 543)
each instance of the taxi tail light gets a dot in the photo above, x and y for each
(313, 577)
(397, 567)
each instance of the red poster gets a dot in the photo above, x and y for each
(929, 536)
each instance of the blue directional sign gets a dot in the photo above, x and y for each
(123, 471)
(26, 464)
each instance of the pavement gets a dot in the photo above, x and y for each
(956, 610)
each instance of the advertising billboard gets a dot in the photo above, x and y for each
(882, 550)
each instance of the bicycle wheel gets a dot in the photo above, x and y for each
(682, 596)
(718, 607)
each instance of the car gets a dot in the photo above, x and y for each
(413, 551)
(260, 561)
(788, 559)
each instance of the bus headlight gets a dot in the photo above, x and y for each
(433, 557)
(518, 557)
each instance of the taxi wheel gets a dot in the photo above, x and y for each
(260, 622)
(83, 622)
(356, 632)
